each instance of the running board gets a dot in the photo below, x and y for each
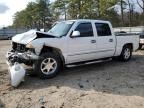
(88, 62)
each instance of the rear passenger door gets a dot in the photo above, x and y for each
(105, 40)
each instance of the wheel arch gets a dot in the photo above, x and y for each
(121, 57)
(54, 50)
(129, 44)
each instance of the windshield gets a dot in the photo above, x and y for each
(61, 28)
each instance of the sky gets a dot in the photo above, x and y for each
(9, 7)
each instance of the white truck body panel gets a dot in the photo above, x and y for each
(122, 40)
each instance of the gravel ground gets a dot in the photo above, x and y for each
(111, 84)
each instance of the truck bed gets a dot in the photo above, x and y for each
(123, 38)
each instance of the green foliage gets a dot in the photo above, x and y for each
(84, 8)
(34, 16)
(41, 14)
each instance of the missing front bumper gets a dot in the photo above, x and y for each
(25, 58)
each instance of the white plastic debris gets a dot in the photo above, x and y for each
(17, 74)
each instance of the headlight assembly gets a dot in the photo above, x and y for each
(29, 45)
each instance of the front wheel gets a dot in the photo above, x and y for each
(126, 53)
(48, 66)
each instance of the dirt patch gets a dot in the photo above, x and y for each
(111, 84)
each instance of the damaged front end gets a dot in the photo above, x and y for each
(21, 54)
(22, 49)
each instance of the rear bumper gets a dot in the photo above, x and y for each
(25, 58)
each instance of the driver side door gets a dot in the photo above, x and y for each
(82, 48)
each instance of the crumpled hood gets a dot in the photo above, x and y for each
(25, 38)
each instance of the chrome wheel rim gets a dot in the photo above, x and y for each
(48, 66)
(126, 53)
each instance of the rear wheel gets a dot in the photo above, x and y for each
(140, 46)
(126, 53)
(49, 66)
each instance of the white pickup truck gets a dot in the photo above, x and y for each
(70, 42)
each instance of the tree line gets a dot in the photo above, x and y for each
(43, 13)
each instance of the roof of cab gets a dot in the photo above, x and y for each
(89, 20)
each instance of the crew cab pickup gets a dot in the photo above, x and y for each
(70, 42)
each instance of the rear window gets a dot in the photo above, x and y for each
(103, 29)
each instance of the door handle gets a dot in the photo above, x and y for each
(110, 40)
(93, 41)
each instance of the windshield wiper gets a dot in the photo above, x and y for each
(44, 35)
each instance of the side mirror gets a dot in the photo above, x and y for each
(42, 30)
(75, 34)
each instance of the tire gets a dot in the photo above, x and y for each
(48, 66)
(140, 47)
(126, 53)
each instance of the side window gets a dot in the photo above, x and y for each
(85, 29)
(103, 29)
